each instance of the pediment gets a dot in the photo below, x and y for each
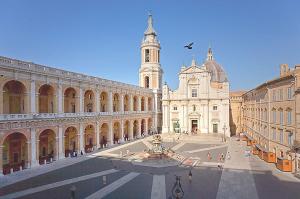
(192, 69)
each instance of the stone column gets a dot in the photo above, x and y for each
(122, 103)
(97, 98)
(60, 99)
(122, 131)
(97, 135)
(146, 104)
(61, 154)
(110, 102)
(110, 134)
(130, 133)
(139, 103)
(56, 154)
(34, 149)
(80, 137)
(1, 160)
(32, 97)
(81, 101)
(131, 103)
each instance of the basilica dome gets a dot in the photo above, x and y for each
(217, 72)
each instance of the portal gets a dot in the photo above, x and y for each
(194, 126)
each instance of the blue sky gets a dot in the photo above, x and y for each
(102, 38)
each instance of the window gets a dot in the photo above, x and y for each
(215, 108)
(274, 116)
(281, 117)
(146, 82)
(175, 108)
(274, 134)
(289, 93)
(158, 56)
(289, 117)
(147, 55)
(290, 138)
(281, 94)
(194, 92)
(274, 95)
(281, 136)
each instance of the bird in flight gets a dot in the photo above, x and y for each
(189, 46)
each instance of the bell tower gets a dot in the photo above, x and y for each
(150, 72)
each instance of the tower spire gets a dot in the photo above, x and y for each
(209, 54)
(150, 30)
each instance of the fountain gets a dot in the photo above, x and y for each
(158, 150)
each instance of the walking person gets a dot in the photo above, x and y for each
(190, 176)
(209, 156)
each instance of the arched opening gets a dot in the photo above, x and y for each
(46, 99)
(126, 130)
(126, 103)
(149, 104)
(15, 153)
(116, 103)
(70, 100)
(89, 101)
(135, 128)
(89, 137)
(147, 82)
(71, 141)
(143, 127)
(103, 102)
(117, 132)
(150, 126)
(46, 146)
(143, 104)
(14, 98)
(135, 103)
(104, 135)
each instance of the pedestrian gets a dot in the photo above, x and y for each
(222, 157)
(209, 156)
(81, 153)
(190, 176)
(228, 156)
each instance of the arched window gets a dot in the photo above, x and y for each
(146, 82)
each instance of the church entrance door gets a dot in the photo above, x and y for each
(194, 126)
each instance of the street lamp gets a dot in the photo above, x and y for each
(224, 129)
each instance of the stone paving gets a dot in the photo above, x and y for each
(104, 174)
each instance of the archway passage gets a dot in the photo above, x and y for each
(103, 102)
(104, 134)
(89, 101)
(116, 103)
(14, 98)
(71, 141)
(46, 99)
(143, 104)
(150, 126)
(149, 104)
(70, 100)
(47, 146)
(147, 82)
(117, 132)
(135, 128)
(89, 138)
(15, 152)
(143, 127)
(126, 103)
(135, 103)
(126, 130)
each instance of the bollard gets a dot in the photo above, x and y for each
(104, 180)
(72, 190)
(20, 168)
(51, 159)
(11, 170)
(45, 161)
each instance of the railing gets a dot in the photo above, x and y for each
(14, 117)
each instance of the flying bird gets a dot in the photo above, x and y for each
(189, 46)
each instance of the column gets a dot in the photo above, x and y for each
(122, 131)
(81, 110)
(97, 98)
(61, 154)
(56, 151)
(130, 133)
(146, 126)
(34, 150)
(122, 103)
(60, 99)
(80, 137)
(139, 103)
(146, 104)
(156, 110)
(110, 102)
(131, 103)
(110, 134)
(97, 135)
(1, 160)
(32, 97)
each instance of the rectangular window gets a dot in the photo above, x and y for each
(274, 95)
(281, 136)
(274, 116)
(290, 138)
(281, 94)
(175, 108)
(274, 134)
(281, 117)
(194, 92)
(289, 93)
(215, 108)
(289, 117)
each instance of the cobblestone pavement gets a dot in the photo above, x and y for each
(104, 174)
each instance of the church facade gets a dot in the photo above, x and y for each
(201, 102)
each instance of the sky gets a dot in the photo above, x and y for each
(250, 39)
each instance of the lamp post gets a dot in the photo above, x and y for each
(224, 129)
(177, 191)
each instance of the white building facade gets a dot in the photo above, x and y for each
(201, 103)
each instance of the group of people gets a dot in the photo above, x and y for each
(221, 158)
